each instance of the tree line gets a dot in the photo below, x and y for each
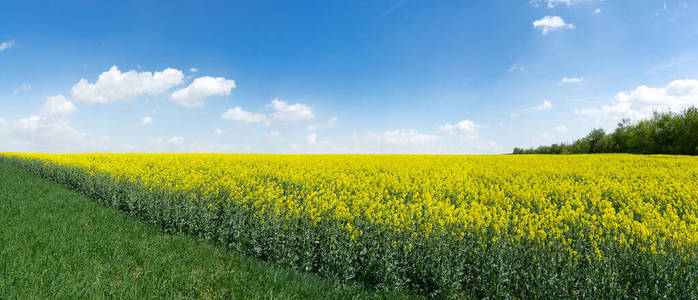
(664, 133)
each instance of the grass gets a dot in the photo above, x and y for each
(55, 243)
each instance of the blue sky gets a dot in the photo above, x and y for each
(398, 76)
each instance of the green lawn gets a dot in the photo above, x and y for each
(55, 243)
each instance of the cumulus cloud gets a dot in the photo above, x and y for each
(39, 133)
(561, 128)
(193, 70)
(49, 131)
(311, 138)
(146, 120)
(36, 132)
(465, 129)
(219, 131)
(571, 80)
(413, 142)
(283, 112)
(201, 88)
(642, 101)
(115, 86)
(545, 106)
(57, 106)
(23, 88)
(597, 11)
(551, 23)
(402, 137)
(238, 114)
(6, 45)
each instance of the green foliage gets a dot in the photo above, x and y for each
(440, 266)
(664, 133)
(56, 244)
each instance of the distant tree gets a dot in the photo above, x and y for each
(606, 144)
(594, 138)
(663, 133)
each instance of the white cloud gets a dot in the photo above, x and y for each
(282, 112)
(516, 67)
(6, 45)
(551, 23)
(465, 129)
(290, 113)
(272, 133)
(146, 120)
(642, 101)
(554, 3)
(38, 133)
(202, 87)
(113, 85)
(219, 131)
(329, 125)
(561, 128)
(49, 131)
(402, 137)
(37, 125)
(238, 114)
(408, 141)
(597, 11)
(176, 140)
(57, 106)
(311, 138)
(193, 70)
(23, 88)
(571, 80)
(545, 106)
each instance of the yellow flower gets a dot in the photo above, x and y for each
(642, 202)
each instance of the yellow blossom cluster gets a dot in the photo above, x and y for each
(643, 202)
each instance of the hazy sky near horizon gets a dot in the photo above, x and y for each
(385, 76)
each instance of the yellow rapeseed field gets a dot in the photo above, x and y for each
(581, 205)
(635, 198)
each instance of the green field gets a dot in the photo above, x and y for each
(55, 243)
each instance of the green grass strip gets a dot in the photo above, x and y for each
(55, 243)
